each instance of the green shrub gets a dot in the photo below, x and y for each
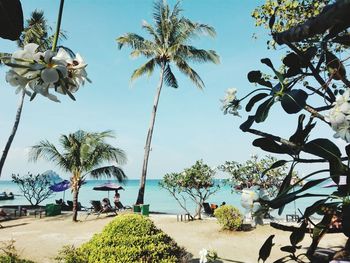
(128, 238)
(229, 217)
(9, 254)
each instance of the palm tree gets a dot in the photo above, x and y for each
(82, 154)
(35, 31)
(169, 45)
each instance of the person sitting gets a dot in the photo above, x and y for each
(106, 205)
(116, 199)
(10, 194)
(2, 213)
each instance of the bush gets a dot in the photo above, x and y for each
(128, 238)
(9, 254)
(229, 217)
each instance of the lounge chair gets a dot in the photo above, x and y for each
(207, 209)
(98, 209)
(120, 206)
(80, 207)
(3, 217)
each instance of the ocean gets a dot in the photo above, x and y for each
(159, 199)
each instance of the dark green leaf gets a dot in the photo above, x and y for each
(314, 208)
(294, 100)
(265, 249)
(275, 165)
(344, 40)
(255, 99)
(245, 126)
(292, 60)
(254, 76)
(272, 20)
(270, 145)
(263, 110)
(298, 235)
(11, 19)
(335, 67)
(323, 148)
(267, 62)
(301, 134)
(289, 249)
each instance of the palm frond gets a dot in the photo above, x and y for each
(189, 72)
(169, 77)
(109, 171)
(48, 151)
(151, 31)
(196, 55)
(146, 68)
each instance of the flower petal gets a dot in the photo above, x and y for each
(49, 75)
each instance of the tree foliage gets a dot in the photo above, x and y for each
(83, 153)
(287, 14)
(169, 46)
(35, 188)
(255, 172)
(195, 183)
(313, 81)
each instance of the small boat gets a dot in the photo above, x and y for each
(5, 196)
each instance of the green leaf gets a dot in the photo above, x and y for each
(314, 208)
(292, 60)
(298, 235)
(301, 134)
(254, 76)
(289, 249)
(265, 249)
(275, 165)
(11, 19)
(294, 100)
(254, 100)
(263, 110)
(335, 67)
(270, 145)
(323, 148)
(245, 126)
(344, 40)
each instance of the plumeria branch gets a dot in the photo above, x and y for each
(59, 19)
(275, 138)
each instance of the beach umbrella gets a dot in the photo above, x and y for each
(61, 186)
(108, 187)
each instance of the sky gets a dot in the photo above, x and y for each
(189, 125)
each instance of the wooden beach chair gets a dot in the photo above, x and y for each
(207, 210)
(120, 206)
(98, 209)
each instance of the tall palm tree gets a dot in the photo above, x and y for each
(35, 31)
(169, 46)
(82, 154)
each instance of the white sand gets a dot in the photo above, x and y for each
(40, 239)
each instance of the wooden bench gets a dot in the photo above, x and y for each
(184, 217)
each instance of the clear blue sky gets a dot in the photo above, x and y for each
(189, 124)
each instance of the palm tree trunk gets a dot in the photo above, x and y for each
(75, 204)
(13, 133)
(140, 197)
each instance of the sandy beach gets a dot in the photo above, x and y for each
(41, 239)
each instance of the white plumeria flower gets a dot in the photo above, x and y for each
(54, 69)
(247, 198)
(230, 104)
(203, 256)
(42, 71)
(28, 52)
(343, 131)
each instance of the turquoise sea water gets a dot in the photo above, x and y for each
(159, 199)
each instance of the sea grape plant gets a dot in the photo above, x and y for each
(312, 85)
